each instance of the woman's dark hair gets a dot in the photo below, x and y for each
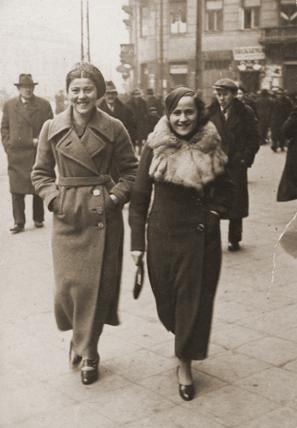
(87, 70)
(174, 97)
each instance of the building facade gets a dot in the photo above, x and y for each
(195, 42)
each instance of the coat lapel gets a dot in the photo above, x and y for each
(21, 110)
(73, 148)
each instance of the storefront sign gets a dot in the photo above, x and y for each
(248, 53)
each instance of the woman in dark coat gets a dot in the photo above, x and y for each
(83, 144)
(183, 164)
(287, 189)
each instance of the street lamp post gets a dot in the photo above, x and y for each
(85, 31)
(198, 54)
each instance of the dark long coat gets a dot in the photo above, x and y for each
(19, 126)
(287, 189)
(140, 111)
(123, 113)
(183, 252)
(87, 226)
(241, 140)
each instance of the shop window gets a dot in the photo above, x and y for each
(178, 16)
(251, 18)
(288, 13)
(214, 15)
(217, 65)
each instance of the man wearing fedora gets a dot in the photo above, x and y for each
(238, 128)
(22, 119)
(112, 105)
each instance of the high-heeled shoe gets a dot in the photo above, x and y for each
(187, 392)
(74, 358)
(89, 370)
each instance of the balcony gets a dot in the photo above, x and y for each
(279, 35)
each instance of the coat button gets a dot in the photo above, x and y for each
(100, 210)
(96, 192)
(100, 225)
(200, 227)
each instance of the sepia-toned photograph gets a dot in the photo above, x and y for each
(148, 229)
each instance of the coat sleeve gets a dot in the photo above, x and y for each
(140, 201)
(126, 164)
(289, 128)
(221, 195)
(5, 127)
(43, 174)
(252, 136)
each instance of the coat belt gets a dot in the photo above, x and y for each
(84, 181)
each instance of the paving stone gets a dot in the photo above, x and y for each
(232, 366)
(21, 403)
(231, 405)
(129, 404)
(232, 336)
(270, 349)
(280, 418)
(176, 418)
(75, 416)
(292, 366)
(276, 384)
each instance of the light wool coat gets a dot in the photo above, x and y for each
(87, 226)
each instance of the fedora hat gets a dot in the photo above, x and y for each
(25, 80)
(110, 87)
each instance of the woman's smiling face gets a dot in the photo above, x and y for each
(82, 95)
(183, 118)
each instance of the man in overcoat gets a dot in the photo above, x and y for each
(22, 119)
(113, 106)
(238, 128)
(140, 111)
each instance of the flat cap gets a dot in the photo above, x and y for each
(226, 83)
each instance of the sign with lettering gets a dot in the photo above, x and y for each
(248, 53)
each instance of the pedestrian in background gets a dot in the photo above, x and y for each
(112, 105)
(22, 119)
(82, 143)
(281, 109)
(287, 189)
(237, 126)
(139, 108)
(155, 108)
(264, 106)
(182, 165)
(244, 97)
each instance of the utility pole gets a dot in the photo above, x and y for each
(85, 31)
(161, 38)
(198, 53)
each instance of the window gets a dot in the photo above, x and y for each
(214, 15)
(178, 16)
(251, 17)
(144, 21)
(288, 12)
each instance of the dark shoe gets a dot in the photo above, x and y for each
(38, 224)
(17, 228)
(89, 371)
(74, 358)
(274, 149)
(233, 246)
(187, 392)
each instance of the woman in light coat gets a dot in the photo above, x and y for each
(85, 145)
(183, 164)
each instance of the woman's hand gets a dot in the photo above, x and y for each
(137, 256)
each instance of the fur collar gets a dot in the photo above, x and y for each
(193, 163)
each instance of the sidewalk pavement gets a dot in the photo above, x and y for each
(248, 381)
